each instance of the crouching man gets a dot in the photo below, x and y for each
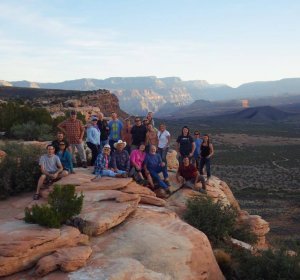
(189, 176)
(51, 169)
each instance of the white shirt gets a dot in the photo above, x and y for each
(163, 138)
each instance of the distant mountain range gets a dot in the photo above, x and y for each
(137, 95)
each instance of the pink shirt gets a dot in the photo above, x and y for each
(137, 158)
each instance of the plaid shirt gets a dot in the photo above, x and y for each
(100, 163)
(73, 130)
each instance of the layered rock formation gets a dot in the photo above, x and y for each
(133, 235)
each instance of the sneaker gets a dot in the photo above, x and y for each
(36, 196)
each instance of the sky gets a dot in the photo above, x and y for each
(220, 41)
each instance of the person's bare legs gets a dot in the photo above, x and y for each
(40, 183)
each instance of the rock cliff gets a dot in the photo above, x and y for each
(133, 234)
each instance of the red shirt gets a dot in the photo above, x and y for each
(187, 172)
(73, 130)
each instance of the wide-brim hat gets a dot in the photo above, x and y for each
(120, 142)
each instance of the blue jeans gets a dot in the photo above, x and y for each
(155, 175)
(205, 162)
(110, 173)
(163, 153)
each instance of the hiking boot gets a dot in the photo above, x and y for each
(167, 183)
(36, 196)
(168, 191)
(203, 191)
(84, 165)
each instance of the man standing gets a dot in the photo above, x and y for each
(93, 139)
(104, 129)
(115, 129)
(138, 133)
(51, 169)
(74, 131)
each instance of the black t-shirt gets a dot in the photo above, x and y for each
(185, 144)
(104, 129)
(138, 134)
(55, 144)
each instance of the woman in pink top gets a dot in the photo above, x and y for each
(137, 158)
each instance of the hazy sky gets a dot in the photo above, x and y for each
(225, 41)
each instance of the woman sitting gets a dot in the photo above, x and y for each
(65, 157)
(137, 158)
(103, 166)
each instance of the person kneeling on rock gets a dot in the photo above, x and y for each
(103, 166)
(154, 165)
(189, 176)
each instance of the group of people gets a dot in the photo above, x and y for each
(125, 150)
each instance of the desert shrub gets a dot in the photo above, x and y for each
(31, 131)
(214, 219)
(269, 265)
(19, 170)
(42, 215)
(245, 234)
(63, 204)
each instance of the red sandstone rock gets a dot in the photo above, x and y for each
(66, 259)
(146, 199)
(104, 215)
(22, 245)
(2, 155)
(105, 183)
(133, 187)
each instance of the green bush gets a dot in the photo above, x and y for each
(42, 215)
(31, 131)
(245, 234)
(63, 205)
(19, 170)
(214, 219)
(269, 265)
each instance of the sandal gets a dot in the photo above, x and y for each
(36, 196)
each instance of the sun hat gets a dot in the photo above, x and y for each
(106, 146)
(120, 142)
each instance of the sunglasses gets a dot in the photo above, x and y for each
(137, 120)
(196, 134)
(106, 148)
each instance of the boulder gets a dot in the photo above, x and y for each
(147, 199)
(99, 217)
(105, 183)
(66, 259)
(22, 245)
(167, 247)
(103, 195)
(133, 187)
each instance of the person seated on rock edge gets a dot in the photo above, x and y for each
(60, 137)
(120, 157)
(137, 158)
(93, 139)
(102, 166)
(154, 165)
(51, 169)
(65, 157)
(189, 176)
(206, 152)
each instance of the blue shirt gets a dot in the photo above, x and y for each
(66, 160)
(115, 128)
(93, 135)
(198, 142)
(153, 161)
(101, 163)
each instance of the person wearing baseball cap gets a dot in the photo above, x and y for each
(93, 138)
